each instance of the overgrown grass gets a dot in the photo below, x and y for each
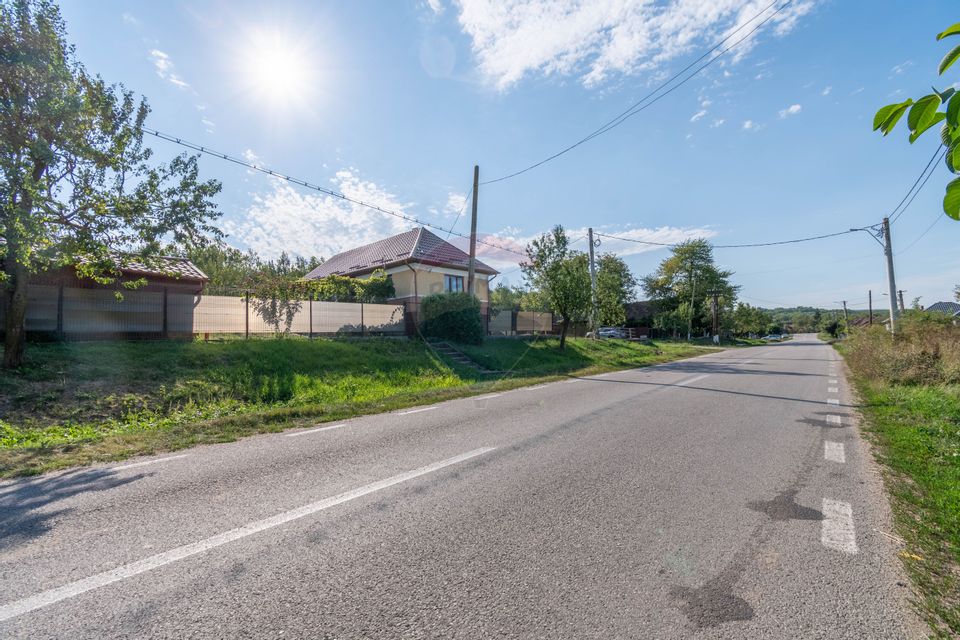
(912, 410)
(76, 403)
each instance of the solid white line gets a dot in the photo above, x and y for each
(833, 389)
(836, 528)
(833, 401)
(833, 451)
(831, 382)
(489, 395)
(303, 433)
(691, 380)
(535, 387)
(834, 420)
(572, 381)
(51, 596)
(406, 413)
(146, 462)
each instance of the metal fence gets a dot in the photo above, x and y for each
(89, 313)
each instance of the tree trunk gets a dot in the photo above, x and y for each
(16, 302)
(563, 333)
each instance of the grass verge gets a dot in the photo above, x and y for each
(80, 403)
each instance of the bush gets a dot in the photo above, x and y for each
(452, 316)
(925, 351)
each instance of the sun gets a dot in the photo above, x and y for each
(279, 70)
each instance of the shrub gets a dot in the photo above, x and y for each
(452, 316)
(925, 351)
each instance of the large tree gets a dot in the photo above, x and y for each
(682, 281)
(561, 276)
(924, 113)
(77, 186)
(616, 286)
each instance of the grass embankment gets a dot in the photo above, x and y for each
(77, 403)
(911, 394)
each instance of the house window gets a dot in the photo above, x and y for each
(452, 283)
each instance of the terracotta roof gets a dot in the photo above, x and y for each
(416, 245)
(162, 266)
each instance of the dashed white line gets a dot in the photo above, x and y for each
(833, 401)
(406, 413)
(833, 451)
(833, 389)
(834, 420)
(309, 431)
(69, 590)
(146, 462)
(836, 529)
(691, 380)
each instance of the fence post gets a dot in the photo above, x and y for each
(246, 315)
(165, 329)
(310, 314)
(363, 326)
(60, 312)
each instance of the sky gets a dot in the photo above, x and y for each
(394, 102)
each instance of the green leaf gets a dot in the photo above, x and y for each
(949, 59)
(922, 111)
(937, 117)
(944, 95)
(895, 116)
(946, 135)
(948, 160)
(949, 31)
(953, 111)
(883, 114)
(953, 155)
(951, 199)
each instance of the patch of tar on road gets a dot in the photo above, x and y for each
(713, 603)
(785, 507)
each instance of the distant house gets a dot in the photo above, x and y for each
(949, 308)
(418, 262)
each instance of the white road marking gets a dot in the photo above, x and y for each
(309, 431)
(834, 420)
(490, 395)
(833, 389)
(691, 380)
(833, 451)
(836, 528)
(833, 401)
(406, 413)
(832, 381)
(535, 387)
(69, 590)
(146, 462)
(572, 381)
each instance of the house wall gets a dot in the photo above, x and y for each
(430, 281)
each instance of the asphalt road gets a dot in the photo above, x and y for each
(727, 496)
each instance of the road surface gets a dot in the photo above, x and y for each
(726, 496)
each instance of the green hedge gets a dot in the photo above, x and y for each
(452, 316)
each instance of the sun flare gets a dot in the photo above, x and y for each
(278, 70)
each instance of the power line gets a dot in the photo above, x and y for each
(316, 187)
(736, 246)
(940, 216)
(896, 214)
(637, 108)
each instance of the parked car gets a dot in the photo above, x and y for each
(611, 332)
(771, 338)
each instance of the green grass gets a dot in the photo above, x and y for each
(915, 430)
(78, 403)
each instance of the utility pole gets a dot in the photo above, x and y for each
(593, 285)
(846, 318)
(473, 230)
(715, 308)
(693, 295)
(891, 279)
(870, 304)
(900, 297)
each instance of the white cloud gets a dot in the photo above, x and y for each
(750, 125)
(792, 110)
(698, 115)
(165, 69)
(705, 103)
(717, 123)
(456, 204)
(314, 224)
(826, 91)
(594, 40)
(130, 19)
(436, 6)
(900, 68)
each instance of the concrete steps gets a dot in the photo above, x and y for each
(451, 354)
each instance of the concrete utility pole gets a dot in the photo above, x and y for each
(870, 304)
(693, 295)
(900, 298)
(891, 279)
(473, 230)
(593, 285)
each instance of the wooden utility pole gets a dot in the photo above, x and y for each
(593, 285)
(870, 304)
(716, 310)
(891, 279)
(900, 298)
(846, 318)
(693, 292)
(473, 231)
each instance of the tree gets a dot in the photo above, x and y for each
(616, 286)
(504, 297)
(925, 113)
(561, 276)
(956, 293)
(77, 187)
(684, 278)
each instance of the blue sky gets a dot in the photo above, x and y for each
(394, 102)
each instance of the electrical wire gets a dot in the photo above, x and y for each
(737, 246)
(316, 187)
(940, 216)
(637, 108)
(896, 214)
